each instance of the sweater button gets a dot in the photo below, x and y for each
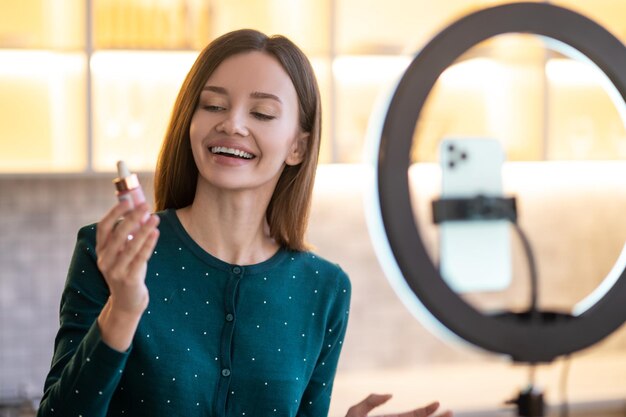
(225, 372)
(237, 270)
(229, 317)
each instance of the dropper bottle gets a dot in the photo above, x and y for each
(127, 186)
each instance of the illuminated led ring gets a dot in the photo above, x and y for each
(524, 340)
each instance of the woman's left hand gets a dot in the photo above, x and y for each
(374, 400)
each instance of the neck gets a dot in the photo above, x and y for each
(230, 225)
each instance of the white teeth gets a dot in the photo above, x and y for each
(231, 151)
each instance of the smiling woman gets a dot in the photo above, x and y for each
(249, 104)
(215, 307)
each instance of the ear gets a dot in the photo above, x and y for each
(298, 149)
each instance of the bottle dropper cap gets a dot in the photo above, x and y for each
(125, 180)
(122, 169)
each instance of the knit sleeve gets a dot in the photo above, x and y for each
(316, 399)
(85, 371)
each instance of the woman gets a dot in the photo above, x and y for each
(213, 305)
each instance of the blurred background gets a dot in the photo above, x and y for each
(84, 83)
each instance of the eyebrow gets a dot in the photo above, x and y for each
(215, 89)
(255, 94)
(258, 94)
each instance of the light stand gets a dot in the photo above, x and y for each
(529, 402)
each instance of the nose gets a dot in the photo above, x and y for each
(233, 124)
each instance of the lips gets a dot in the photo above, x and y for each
(230, 152)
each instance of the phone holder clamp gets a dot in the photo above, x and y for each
(476, 208)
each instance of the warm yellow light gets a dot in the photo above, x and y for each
(133, 95)
(43, 123)
(39, 64)
(471, 72)
(572, 72)
(582, 72)
(379, 69)
(145, 66)
(342, 179)
(375, 69)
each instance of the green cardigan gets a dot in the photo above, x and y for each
(216, 339)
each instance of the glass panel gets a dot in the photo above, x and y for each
(459, 103)
(153, 24)
(42, 122)
(495, 90)
(403, 26)
(133, 96)
(306, 22)
(359, 82)
(42, 23)
(584, 123)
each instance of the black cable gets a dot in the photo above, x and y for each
(534, 289)
(491, 208)
(532, 267)
(534, 283)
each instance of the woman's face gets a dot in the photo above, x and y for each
(246, 128)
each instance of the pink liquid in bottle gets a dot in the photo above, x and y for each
(127, 186)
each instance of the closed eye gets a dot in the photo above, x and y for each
(213, 108)
(263, 116)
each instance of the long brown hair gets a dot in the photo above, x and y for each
(176, 173)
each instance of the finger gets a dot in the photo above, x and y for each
(368, 404)
(131, 223)
(107, 223)
(145, 252)
(123, 227)
(424, 411)
(132, 250)
(116, 244)
(421, 412)
(138, 250)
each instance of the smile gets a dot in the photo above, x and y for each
(232, 152)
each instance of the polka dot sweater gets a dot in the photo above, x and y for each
(216, 339)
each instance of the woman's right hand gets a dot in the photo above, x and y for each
(123, 249)
(372, 401)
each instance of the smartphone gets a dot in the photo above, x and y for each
(474, 255)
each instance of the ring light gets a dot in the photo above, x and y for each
(524, 338)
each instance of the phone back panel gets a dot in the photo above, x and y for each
(475, 255)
